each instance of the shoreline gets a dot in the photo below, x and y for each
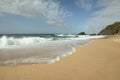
(99, 60)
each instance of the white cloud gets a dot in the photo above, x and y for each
(59, 23)
(108, 14)
(46, 9)
(85, 4)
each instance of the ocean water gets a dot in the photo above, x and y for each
(39, 48)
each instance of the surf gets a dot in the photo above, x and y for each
(39, 49)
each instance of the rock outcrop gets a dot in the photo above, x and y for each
(111, 29)
(82, 33)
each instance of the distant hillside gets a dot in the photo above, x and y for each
(111, 29)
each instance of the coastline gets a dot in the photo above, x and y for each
(99, 60)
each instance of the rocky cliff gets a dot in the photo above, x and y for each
(111, 29)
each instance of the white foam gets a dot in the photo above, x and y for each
(11, 42)
(86, 37)
(67, 35)
(37, 59)
(51, 52)
(60, 34)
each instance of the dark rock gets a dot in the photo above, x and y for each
(93, 34)
(82, 33)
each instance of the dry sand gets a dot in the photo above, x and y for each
(100, 60)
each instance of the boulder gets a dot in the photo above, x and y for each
(82, 33)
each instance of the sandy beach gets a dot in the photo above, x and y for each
(100, 60)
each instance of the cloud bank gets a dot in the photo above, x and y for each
(49, 10)
(60, 23)
(107, 13)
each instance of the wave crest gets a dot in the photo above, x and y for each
(7, 42)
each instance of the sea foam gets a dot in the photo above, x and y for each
(22, 50)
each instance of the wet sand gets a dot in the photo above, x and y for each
(100, 60)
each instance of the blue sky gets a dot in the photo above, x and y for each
(57, 16)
